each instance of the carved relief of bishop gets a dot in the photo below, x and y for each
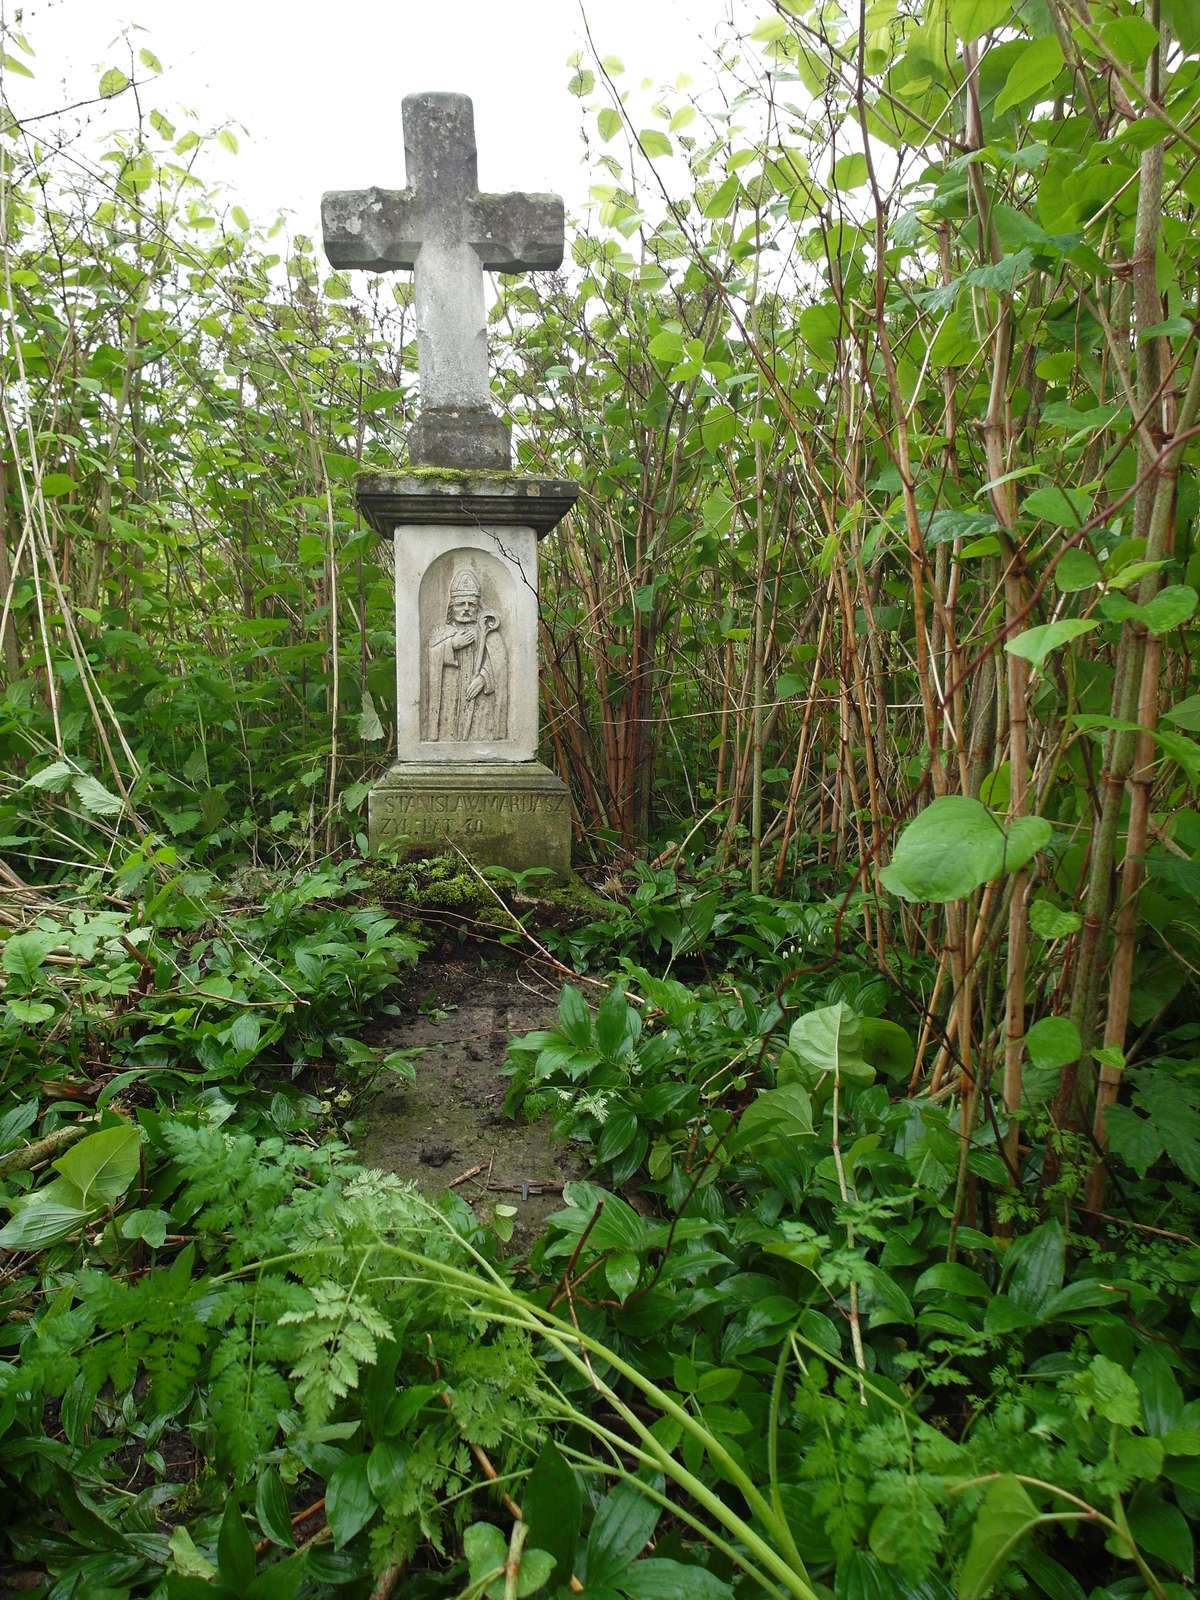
(467, 669)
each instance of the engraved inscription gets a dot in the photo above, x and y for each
(466, 667)
(470, 804)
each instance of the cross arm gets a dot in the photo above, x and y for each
(517, 232)
(377, 229)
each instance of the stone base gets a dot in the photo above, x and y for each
(465, 438)
(500, 813)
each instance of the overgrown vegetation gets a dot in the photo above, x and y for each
(869, 659)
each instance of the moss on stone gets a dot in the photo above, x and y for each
(428, 881)
(461, 477)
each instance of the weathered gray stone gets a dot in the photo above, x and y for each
(391, 500)
(513, 815)
(448, 233)
(465, 530)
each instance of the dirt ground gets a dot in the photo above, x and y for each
(462, 1011)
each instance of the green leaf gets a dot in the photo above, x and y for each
(849, 171)
(1035, 644)
(54, 777)
(1053, 1042)
(660, 1579)
(574, 1016)
(55, 484)
(667, 346)
(103, 1165)
(113, 82)
(769, 29)
(22, 955)
(1034, 70)
(971, 19)
(1036, 1266)
(486, 1550)
(1131, 40)
(40, 1224)
(271, 1509)
(1163, 1530)
(609, 122)
(830, 1040)
(235, 1550)
(955, 845)
(186, 1560)
(386, 1466)
(1065, 508)
(1049, 922)
(654, 142)
(1109, 1391)
(94, 797)
(349, 1503)
(1169, 608)
(1005, 1517)
(1135, 1139)
(1076, 570)
(781, 1115)
(624, 1522)
(148, 1225)
(553, 1507)
(1186, 714)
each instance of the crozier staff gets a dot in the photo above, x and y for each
(468, 668)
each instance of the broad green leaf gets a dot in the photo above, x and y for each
(553, 1506)
(830, 1040)
(1076, 570)
(1186, 714)
(385, 1469)
(114, 81)
(1108, 1390)
(1169, 609)
(1049, 922)
(40, 1224)
(1002, 1521)
(94, 797)
(103, 1165)
(1036, 1264)
(1034, 70)
(657, 1578)
(971, 19)
(1066, 508)
(849, 171)
(768, 29)
(654, 142)
(667, 346)
(1035, 644)
(1130, 40)
(235, 1549)
(22, 955)
(55, 484)
(1053, 1042)
(955, 845)
(349, 1503)
(574, 1016)
(609, 123)
(622, 1527)
(781, 1115)
(53, 778)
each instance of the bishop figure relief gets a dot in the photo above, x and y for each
(467, 669)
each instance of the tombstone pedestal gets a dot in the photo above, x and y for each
(466, 667)
(500, 813)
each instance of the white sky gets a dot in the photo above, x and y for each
(313, 87)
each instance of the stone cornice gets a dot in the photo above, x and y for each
(441, 496)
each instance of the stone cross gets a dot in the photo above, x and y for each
(447, 232)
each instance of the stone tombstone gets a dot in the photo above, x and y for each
(465, 527)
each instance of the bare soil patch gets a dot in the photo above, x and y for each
(461, 1011)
